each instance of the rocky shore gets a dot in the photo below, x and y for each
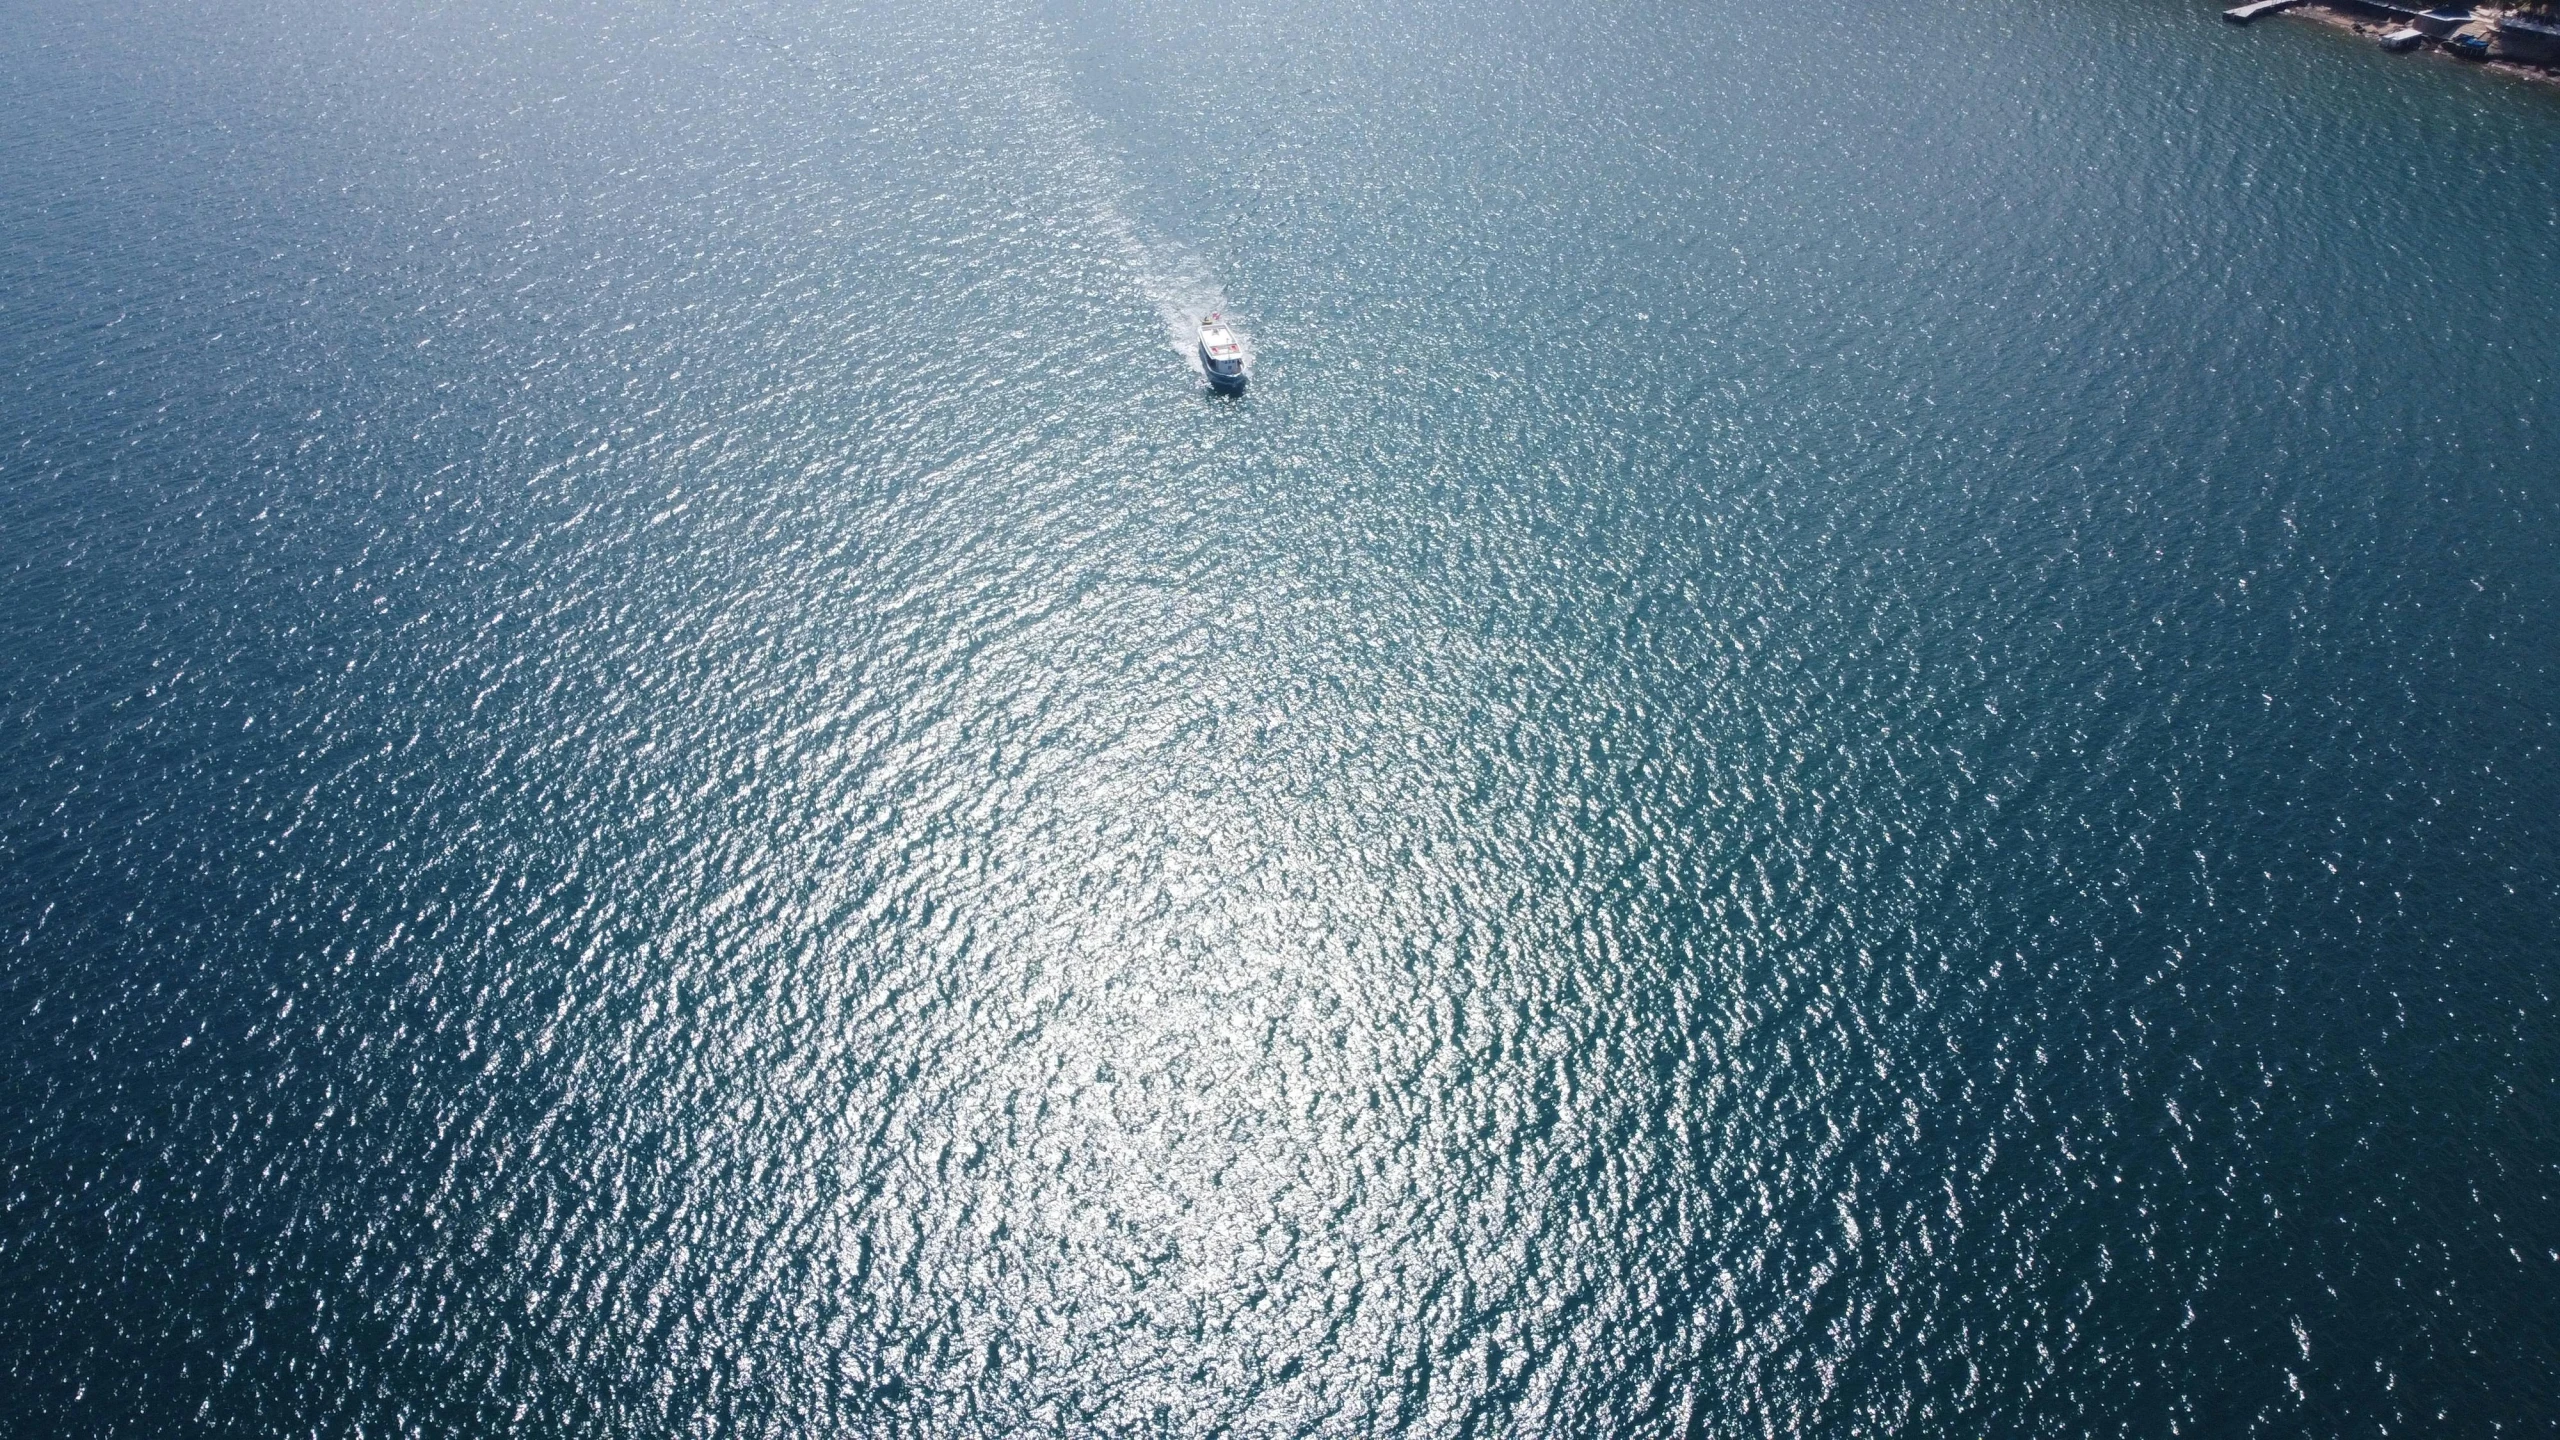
(2522, 42)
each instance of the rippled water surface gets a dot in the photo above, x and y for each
(1855, 737)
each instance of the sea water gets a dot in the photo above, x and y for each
(1856, 735)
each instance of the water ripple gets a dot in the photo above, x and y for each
(1838, 746)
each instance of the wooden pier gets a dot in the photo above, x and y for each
(2243, 14)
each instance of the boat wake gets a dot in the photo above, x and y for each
(1186, 294)
(1175, 280)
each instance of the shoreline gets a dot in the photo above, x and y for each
(2339, 17)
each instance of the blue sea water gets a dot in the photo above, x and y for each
(1856, 735)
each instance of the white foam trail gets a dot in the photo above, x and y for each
(1185, 293)
(1170, 276)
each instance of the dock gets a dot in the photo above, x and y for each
(2243, 14)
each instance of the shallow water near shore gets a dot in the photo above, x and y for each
(1855, 736)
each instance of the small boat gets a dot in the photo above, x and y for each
(1221, 356)
(2404, 38)
(2469, 47)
